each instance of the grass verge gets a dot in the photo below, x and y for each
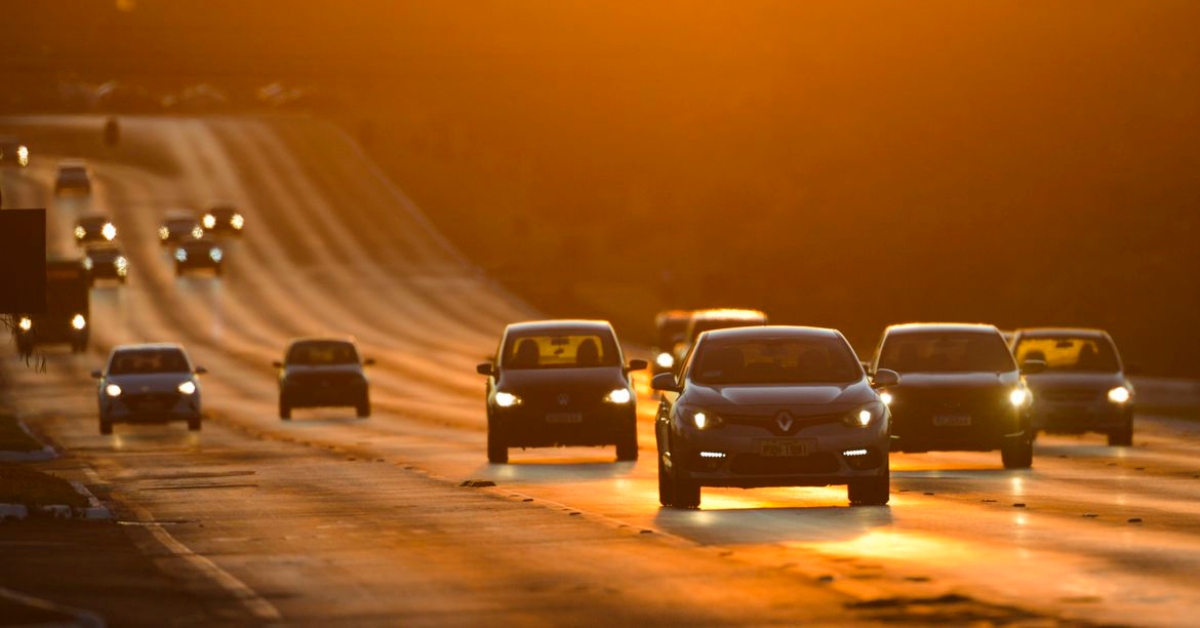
(20, 484)
(13, 437)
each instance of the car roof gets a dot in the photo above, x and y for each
(728, 314)
(1044, 332)
(304, 339)
(772, 331)
(92, 216)
(666, 315)
(216, 206)
(907, 328)
(203, 241)
(179, 214)
(149, 346)
(102, 247)
(560, 325)
(72, 163)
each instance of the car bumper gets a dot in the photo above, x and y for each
(317, 396)
(136, 410)
(533, 428)
(918, 431)
(1077, 418)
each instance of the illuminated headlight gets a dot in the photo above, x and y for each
(23, 155)
(215, 254)
(197, 232)
(886, 398)
(665, 360)
(25, 323)
(80, 232)
(1120, 394)
(79, 322)
(112, 390)
(163, 233)
(237, 221)
(209, 221)
(181, 255)
(187, 388)
(706, 420)
(864, 415)
(618, 395)
(507, 400)
(121, 263)
(1018, 397)
(109, 231)
(87, 263)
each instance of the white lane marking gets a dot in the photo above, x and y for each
(255, 603)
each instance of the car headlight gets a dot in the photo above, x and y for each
(112, 390)
(197, 232)
(1120, 394)
(87, 263)
(863, 416)
(886, 397)
(121, 263)
(25, 323)
(23, 155)
(79, 322)
(215, 254)
(109, 231)
(181, 255)
(80, 232)
(507, 400)
(163, 233)
(237, 221)
(665, 360)
(209, 221)
(1018, 397)
(618, 395)
(187, 388)
(706, 420)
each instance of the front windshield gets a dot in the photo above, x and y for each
(671, 331)
(1070, 354)
(148, 361)
(946, 352)
(815, 360)
(322, 353)
(541, 350)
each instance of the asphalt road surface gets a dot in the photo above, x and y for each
(329, 519)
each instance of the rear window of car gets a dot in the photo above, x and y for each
(540, 350)
(1065, 353)
(946, 352)
(775, 361)
(322, 353)
(148, 361)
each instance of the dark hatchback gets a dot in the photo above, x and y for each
(205, 253)
(323, 373)
(560, 383)
(960, 390)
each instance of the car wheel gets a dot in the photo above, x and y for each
(105, 427)
(219, 270)
(178, 270)
(666, 489)
(685, 492)
(123, 280)
(363, 409)
(627, 445)
(874, 491)
(1122, 436)
(194, 425)
(1017, 454)
(496, 449)
(285, 411)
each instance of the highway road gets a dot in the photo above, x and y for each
(329, 519)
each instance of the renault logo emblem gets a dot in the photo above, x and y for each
(784, 420)
(564, 399)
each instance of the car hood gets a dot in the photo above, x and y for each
(832, 396)
(1076, 381)
(958, 380)
(149, 382)
(532, 379)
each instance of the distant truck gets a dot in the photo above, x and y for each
(67, 314)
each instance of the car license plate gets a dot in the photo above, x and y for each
(564, 417)
(952, 420)
(778, 448)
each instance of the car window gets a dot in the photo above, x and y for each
(566, 350)
(945, 352)
(148, 361)
(1065, 353)
(774, 361)
(322, 353)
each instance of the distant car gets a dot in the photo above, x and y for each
(960, 390)
(68, 310)
(202, 254)
(1083, 388)
(73, 177)
(94, 228)
(179, 226)
(670, 326)
(701, 321)
(13, 152)
(106, 261)
(323, 372)
(560, 383)
(223, 219)
(772, 406)
(149, 383)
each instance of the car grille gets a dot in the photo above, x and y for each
(151, 402)
(1066, 395)
(754, 464)
(324, 379)
(770, 423)
(914, 411)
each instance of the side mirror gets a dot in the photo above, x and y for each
(665, 381)
(485, 368)
(277, 364)
(638, 365)
(369, 362)
(1032, 367)
(97, 374)
(884, 378)
(200, 370)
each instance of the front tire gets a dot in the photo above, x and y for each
(685, 492)
(627, 445)
(106, 427)
(876, 491)
(363, 409)
(1122, 436)
(666, 488)
(497, 451)
(194, 425)
(285, 410)
(1017, 454)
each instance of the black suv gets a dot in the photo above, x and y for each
(323, 373)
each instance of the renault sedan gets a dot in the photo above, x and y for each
(149, 383)
(560, 383)
(772, 406)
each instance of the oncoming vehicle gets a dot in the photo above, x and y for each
(149, 383)
(223, 219)
(560, 383)
(105, 261)
(73, 177)
(670, 327)
(13, 152)
(706, 320)
(961, 390)
(204, 253)
(323, 372)
(179, 226)
(1083, 387)
(94, 228)
(68, 305)
(772, 406)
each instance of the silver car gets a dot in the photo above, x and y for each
(772, 406)
(1082, 388)
(149, 383)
